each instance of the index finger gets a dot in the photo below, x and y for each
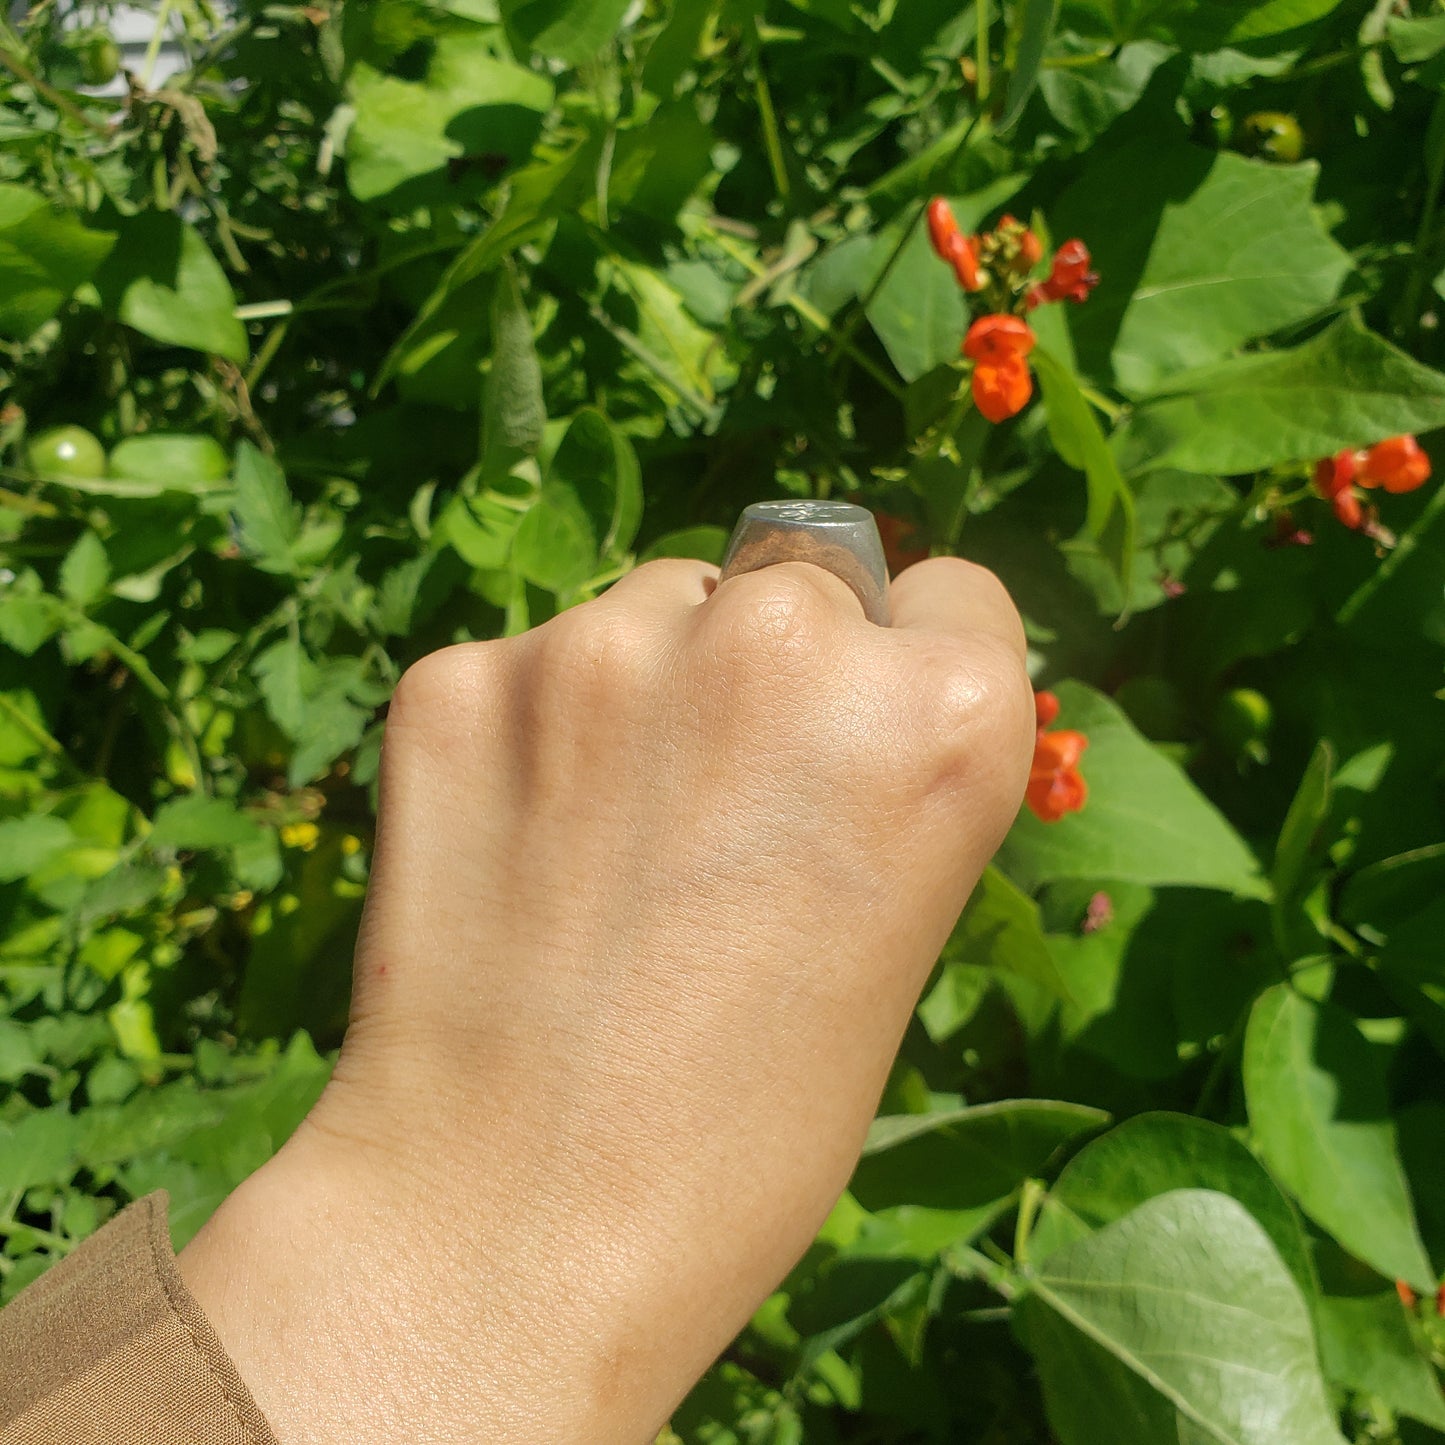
(960, 599)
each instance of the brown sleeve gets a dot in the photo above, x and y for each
(108, 1348)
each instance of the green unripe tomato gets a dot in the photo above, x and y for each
(1242, 721)
(100, 59)
(67, 453)
(1270, 134)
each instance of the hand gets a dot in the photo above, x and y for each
(656, 888)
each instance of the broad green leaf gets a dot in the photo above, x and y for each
(1414, 40)
(1151, 1155)
(1034, 28)
(85, 571)
(1346, 387)
(1080, 442)
(567, 30)
(44, 256)
(513, 413)
(705, 543)
(1219, 250)
(1144, 821)
(1369, 1343)
(324, 707)
(30, 842)
(471, 108)
(197, 822)
(1177, 1322)
(162, 279)
(1319, 1114)
(171, 462)
(270, 523)
(1087, 98)
(555, 546)
(965, 1159)
(1190, 24)
(38, 1148)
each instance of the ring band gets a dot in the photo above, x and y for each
(837, 536)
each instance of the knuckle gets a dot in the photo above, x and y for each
(778, 614)
(440, 687)
(977, 714)
(596, 655)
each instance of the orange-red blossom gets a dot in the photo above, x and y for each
(998, 346)
(951, 245)
(1397, 464)
(1069, 279)
(1055, 784)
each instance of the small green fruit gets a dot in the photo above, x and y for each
(1270, 134)
(1242, 722)
(66, 453)
(100, 59)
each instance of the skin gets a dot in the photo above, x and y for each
(656, 888)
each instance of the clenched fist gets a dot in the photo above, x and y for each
(656, 888)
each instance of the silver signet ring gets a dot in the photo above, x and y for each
(837, 536)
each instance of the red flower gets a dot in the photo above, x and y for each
(1347, 509)
(1407, 1295)
(996, 338)
(1398, 464)
(1334, 474)
(951, 245)
(1001, 381)
(1055, 785)
(1069, 279)
(1031, 250)
(1002, 389)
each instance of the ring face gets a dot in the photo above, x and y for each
(837, 536)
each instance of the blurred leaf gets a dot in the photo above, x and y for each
(173, 462)
(513, 413)
(1369, 1343)
(44, 256)
(29, 843)
(569, 30)
(85, 570)
(270, 522)
(1034, 26)
(162, 279)
(1177, 1322)
(1319, 1114)
(197, 822)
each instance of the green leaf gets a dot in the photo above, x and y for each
(1369, 1343)
(1177, 1322)
(555, 546)
(85, 571)
(596, 463)
(567, 30)
(270, 522)
(1076, 435)
(1219, 250)
(1153, 1154)
(170, 463)
(1414, 40)
(1191, 24)
(1144, 821)
(1299, 835)
(472, 106)
(965, 1159)
(1319, 1113)
(27, 844)
(1346, 387)
(44, 256)
(1035, 27)
(197, 822)
(1087, 98)
(39, 1148)
(513, 413)
(705, 543)
(162, 280)
(324, 707)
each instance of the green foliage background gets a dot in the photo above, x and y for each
(418, 320)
